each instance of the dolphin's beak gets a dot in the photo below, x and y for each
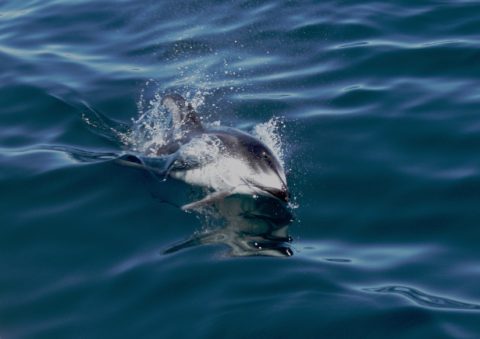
(281, 194)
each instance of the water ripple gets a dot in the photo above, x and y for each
(425, 299)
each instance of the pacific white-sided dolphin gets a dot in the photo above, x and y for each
(225, 161)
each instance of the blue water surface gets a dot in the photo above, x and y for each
(380, 103)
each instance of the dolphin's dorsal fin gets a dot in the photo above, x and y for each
(184, 117)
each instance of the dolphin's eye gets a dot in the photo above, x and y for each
(267, 158)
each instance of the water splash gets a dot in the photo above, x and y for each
(151, 129)
(270, 133)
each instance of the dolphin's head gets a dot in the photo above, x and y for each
(261, 171)
(268, 174)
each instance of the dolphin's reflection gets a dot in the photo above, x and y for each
(250, 225)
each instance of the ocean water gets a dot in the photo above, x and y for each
(372, 106)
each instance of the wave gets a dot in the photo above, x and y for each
(425, 299)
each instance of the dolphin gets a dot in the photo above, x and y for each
(223, 160)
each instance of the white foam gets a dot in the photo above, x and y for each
(270, 134)
(150, 130)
